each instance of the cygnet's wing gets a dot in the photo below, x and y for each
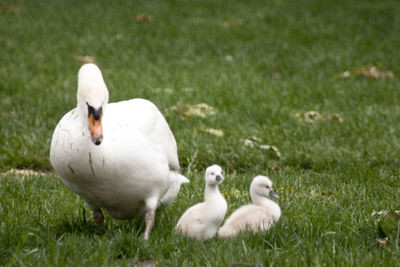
(142, 115)
(191, 220)
(248, 217)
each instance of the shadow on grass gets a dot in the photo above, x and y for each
(77, 226)
(84, 225)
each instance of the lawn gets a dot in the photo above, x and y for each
(306, 92)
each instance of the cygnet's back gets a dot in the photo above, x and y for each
(202, 220)
(258, 216)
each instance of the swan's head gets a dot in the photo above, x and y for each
(92, 99)
(261, 186)
(214, 175)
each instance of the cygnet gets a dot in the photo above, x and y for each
(202, 220)
(258, 216)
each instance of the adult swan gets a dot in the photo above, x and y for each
(119, 157)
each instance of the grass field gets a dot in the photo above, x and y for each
(261, 66)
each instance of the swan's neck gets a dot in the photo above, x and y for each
(263, 201)
(215, 203)
(211, 194)
(91, 89)
(83, 117)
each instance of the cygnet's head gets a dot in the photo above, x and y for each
(214, 175)
(261, 186)
(92, 98)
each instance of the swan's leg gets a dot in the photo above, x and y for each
(98, 218)
(149, 218)
(97, 214)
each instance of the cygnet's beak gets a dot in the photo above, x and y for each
(95, 126)
(219, 178)
(273, 194)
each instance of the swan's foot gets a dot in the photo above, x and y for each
(149, 219)
(98, 218)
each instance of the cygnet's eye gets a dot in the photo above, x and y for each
(212, 173)
(267, 186)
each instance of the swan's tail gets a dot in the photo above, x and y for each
(183, 179)
(176, 180)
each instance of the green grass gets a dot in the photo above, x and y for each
(258, 64)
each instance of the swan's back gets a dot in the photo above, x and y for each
(125, 117)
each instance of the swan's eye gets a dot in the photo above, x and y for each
(267, 186)
(212, 173)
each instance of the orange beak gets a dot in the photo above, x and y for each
(96, 129)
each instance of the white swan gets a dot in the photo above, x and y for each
(258, 216)
(119, 157)
(202, 220)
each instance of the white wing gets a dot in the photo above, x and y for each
(191, 222)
